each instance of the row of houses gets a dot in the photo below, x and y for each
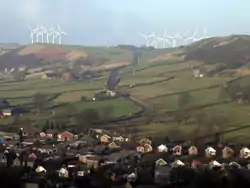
(101, 148)
(144, 145)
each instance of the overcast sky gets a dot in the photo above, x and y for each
(111, 22)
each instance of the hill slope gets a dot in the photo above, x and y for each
(232, 51)
(38, 55)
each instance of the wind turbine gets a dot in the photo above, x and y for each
(59, 34)
(43, 31)
(185, 38)
(192, 37)
(166, 41)
(155, 40)
(198, 38)
(146, 37)
(177, 36)
(32, 33)
(205, 33)
(39, 32)
(52, 32)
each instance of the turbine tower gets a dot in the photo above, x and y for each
(52, 32)
(155, 40)
(32, 33)
(39, 33)
(198, 38)
(59, 34)
(205, 33)
(43, 31)
(146, 37)
(185, 38)
(164, 39)
(177, 36)
(192, 38)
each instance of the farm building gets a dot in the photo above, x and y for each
(12, 111)
(7, 112)
(49, 76)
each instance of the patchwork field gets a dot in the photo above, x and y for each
(164, 98)
(61, 97)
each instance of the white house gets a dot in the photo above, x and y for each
(40, 169)
(177, 163)
(162, 148)
(214, 164)
(63, 172)
(160, 162)
(244, 153)
(210, 152)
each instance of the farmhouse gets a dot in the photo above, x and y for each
(162, 148)
(66, 135)
(244, 152)
(160, 162)
(192, 150)
(210, 152)
(177, 150)
(48, 76)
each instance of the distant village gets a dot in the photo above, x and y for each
(68, 155)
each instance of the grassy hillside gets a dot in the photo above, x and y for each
(164, 98)
(232, 51)
(40, 55)
(162, 79)
(61, 97)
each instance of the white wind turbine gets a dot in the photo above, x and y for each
(155, 40)
(164, 39)
(185, 38)
(192, 38)
(52, 32)
(39, 33)
(177, 36)
(59, 34)
(202, 37)
(205, 33)
(43, 31)
(146, 37)
(32, 33)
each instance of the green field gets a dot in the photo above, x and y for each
(163, 97)
(61, 97)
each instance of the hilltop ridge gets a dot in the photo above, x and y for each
(232, 51)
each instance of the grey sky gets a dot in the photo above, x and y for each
(99, 22)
